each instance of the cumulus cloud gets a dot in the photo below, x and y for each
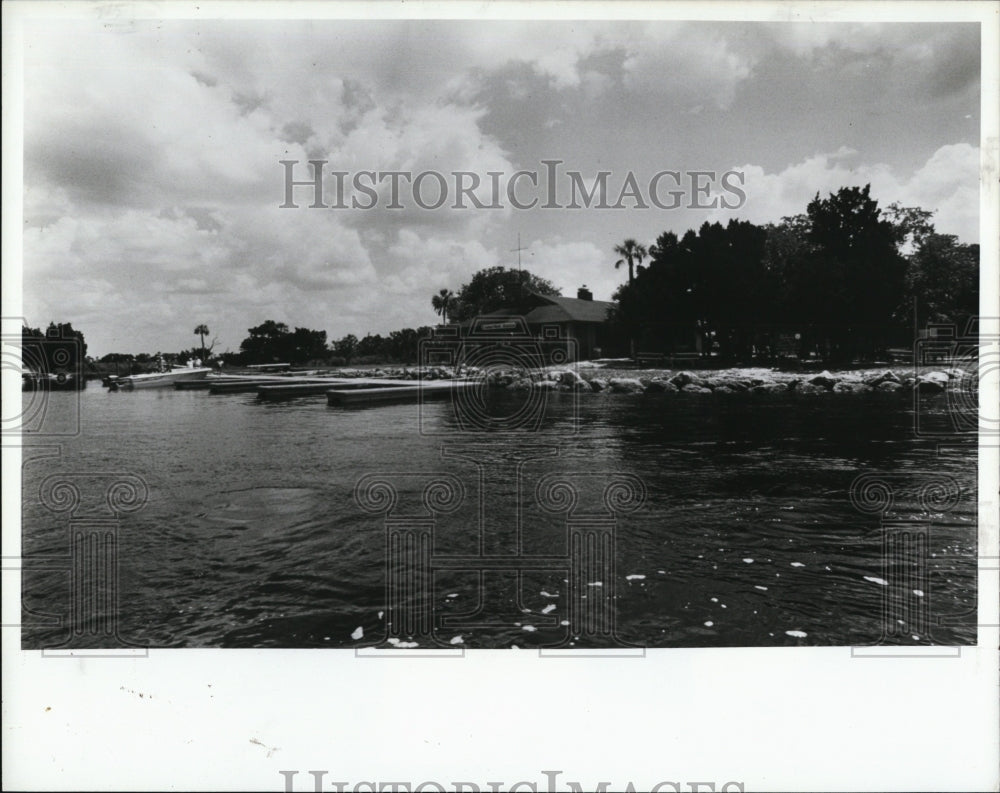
(687, 64)
(947, 184)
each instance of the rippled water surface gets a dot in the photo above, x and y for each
(252, 535)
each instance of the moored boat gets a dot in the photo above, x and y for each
(160, 379)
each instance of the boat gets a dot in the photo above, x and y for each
(160, 379)
(52, 381)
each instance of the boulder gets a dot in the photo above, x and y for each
(724, 389)
(888, 376)
(658, 386)
(889, 386)
(824, 379)
(597, 384)
(809, 389)
(929, 385)
(691, 388)
(683, 379)
(729, 383)
(936, 377)
(624, 385)
(851, 387)
(769, 388)
(573, 380)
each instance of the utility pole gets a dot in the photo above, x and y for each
(520, 272)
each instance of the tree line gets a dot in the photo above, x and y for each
(272, 342)
(846, 280)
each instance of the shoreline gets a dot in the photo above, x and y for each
(591, 377)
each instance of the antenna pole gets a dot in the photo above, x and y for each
(520, 272)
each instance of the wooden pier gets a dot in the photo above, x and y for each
(248, 384)
(274, 391)
(409, 391)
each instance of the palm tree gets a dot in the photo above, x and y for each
(632, 253)
(202, 330)
(441, 302)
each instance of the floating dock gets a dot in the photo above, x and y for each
(407, 392)
(276, 391)
(243, 384)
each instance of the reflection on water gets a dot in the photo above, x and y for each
(252, 534)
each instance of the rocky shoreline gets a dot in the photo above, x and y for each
(590, 378)
(733, 382)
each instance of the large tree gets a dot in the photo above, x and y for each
(59, 348)
(942, 280)
(856, 254)
(272, 342)
(497, 287)
(346, 347)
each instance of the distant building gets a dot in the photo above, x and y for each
(580, 319)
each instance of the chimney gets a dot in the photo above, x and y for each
(584, 294)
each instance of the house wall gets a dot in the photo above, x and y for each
(586, 335)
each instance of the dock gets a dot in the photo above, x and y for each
(248, 384)
(407, 392)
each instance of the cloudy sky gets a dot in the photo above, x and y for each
(152, 149)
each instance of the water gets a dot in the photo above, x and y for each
(251, 535)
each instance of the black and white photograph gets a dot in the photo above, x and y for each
(622, 346)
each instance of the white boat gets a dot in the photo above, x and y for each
(161, 379)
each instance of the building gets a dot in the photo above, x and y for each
(580, 320)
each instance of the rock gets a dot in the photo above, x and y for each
(723, 389)
(730, 384)
(809, 389)
(682, 379)
(573, 380)
(888, 376)
(936, 377)
(691, 388)
(597, 384)
(851, 387)
(824, 379)
(624, 385)
(658, 386)
(889, 386)
(930, 385)
(546, 385)
(769, 388)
